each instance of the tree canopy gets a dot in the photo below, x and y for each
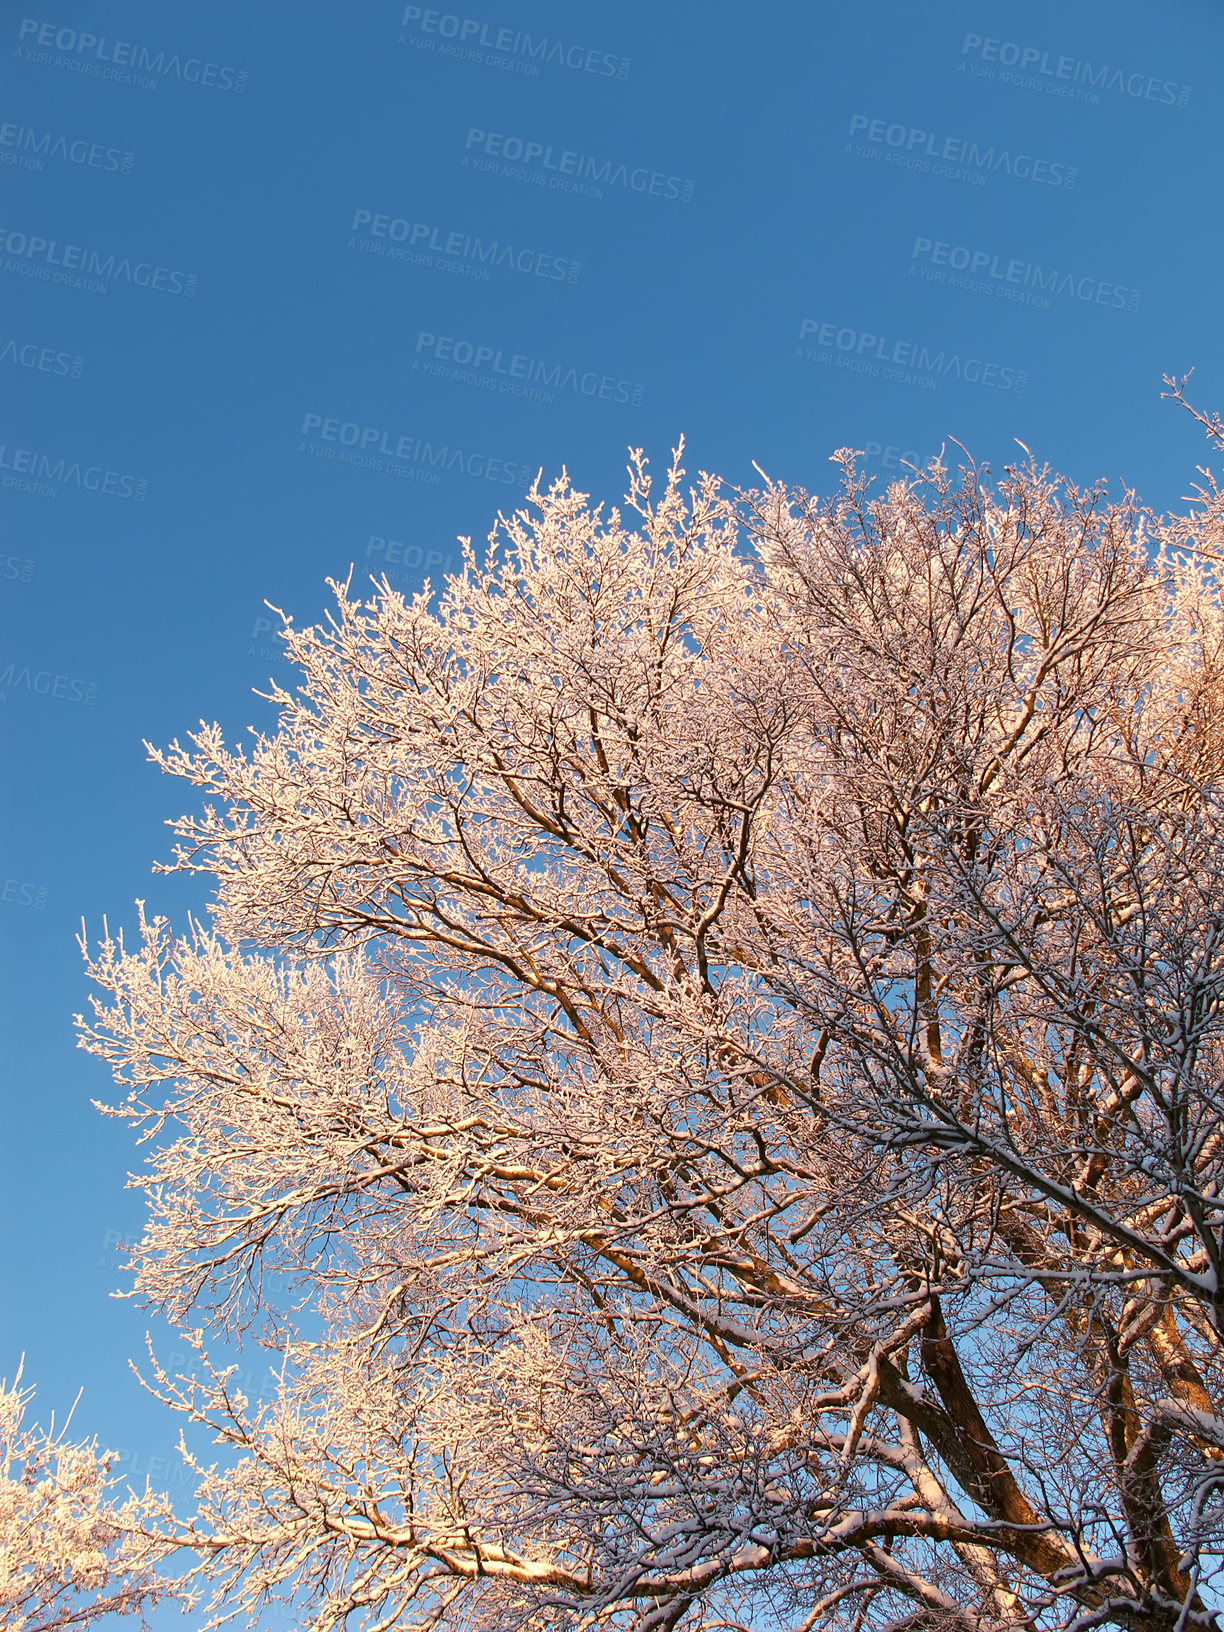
(706, 1066)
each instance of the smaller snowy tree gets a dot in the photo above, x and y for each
(69, 1551)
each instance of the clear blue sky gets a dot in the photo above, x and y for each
(254, 320)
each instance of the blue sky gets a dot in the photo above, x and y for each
(289, 288)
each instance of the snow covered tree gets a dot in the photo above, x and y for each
(69, 1552)
(707, 1069)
